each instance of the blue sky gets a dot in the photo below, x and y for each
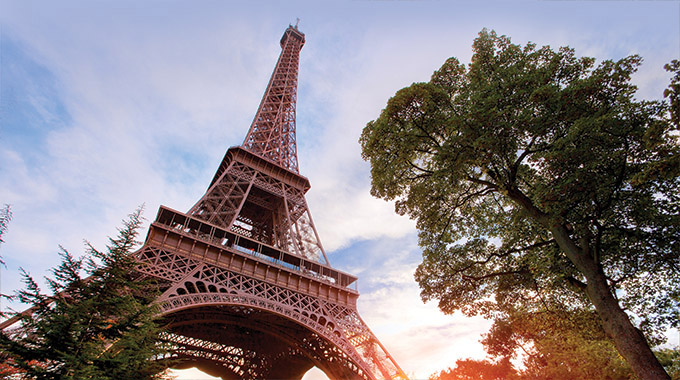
(106, 105)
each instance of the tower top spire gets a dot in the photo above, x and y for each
(272, 133)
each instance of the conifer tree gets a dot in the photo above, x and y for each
(96, 322)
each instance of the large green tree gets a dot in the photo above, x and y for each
(96, 322)
(537, 179)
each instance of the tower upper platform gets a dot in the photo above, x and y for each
(293, 32)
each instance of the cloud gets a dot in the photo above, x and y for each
(390, 304)
(129, 102)
(427, 349)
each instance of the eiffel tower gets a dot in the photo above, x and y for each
(247, 289)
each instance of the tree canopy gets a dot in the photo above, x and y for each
(539, 184)
(98, 326)
(468, 369)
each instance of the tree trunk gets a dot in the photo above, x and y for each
(629, 341)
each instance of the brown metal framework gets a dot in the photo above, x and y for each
(239, 308)
(246, 288)
(272, 134)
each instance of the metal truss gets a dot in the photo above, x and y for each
(272, 134)
(265, 202)
(309, 310)
(247, 291)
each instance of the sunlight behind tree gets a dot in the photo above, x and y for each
(539, 184)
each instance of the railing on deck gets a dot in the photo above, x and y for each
(237, 243)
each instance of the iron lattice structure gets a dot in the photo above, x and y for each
(272, 134)
(247, 289)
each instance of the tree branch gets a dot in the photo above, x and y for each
(496, 274)
(482, 182)
(576, 283)
(506, 253)
(419, 168)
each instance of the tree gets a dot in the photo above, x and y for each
(670, 359)
(673, 91)
(102, 326)
(469, 369)
(557, 344)
(536, 175)
(554, 344)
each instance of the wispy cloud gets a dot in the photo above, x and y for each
(114, 104)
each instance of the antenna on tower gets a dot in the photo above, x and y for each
(297, 22)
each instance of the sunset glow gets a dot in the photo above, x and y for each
(109, 105)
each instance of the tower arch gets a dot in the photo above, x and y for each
(246, 289)
(236, 341)
(246, 284)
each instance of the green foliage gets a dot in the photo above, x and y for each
(670, 359)
(538, 183)
(101, 326)
(673, 90)
(469, 369)
(558, 345)
(554, 345)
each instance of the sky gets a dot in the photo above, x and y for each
(109, 105)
